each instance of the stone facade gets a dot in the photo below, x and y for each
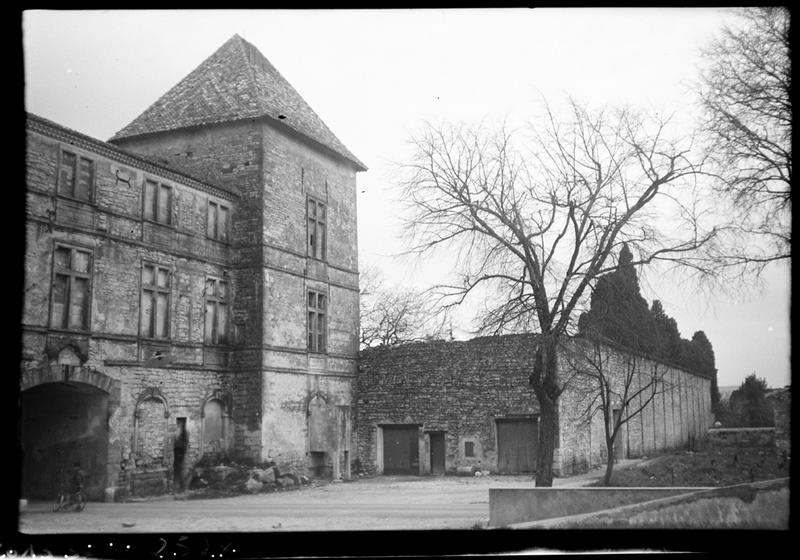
(169, 286)
(469, 390)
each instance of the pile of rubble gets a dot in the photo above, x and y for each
(232, 479)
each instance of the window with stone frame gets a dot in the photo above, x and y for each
(155, 301)
(317, 321)
(218, 221)
(157, 202)
(75, 176)
(316, 228)
(72, 278)
(469, 449)
(216, 311)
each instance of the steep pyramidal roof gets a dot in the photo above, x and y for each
(236, 82)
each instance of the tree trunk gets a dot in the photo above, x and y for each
(547, 438)
(609, 463)
(545, 385)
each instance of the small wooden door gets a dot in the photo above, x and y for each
(517, 440)
(437, 453)
(401, 450)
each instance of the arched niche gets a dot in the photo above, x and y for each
(150, 429)
(320, 424)
(216, 430)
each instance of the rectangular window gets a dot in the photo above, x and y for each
(157, 202)
(217, 222)
(216, 319)
(71, 286)
(317, 304)
(76, 176)
(469, 449)
(154, 308)
(316, 229)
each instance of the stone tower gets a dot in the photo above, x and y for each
(236, 122)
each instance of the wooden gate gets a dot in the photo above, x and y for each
(517, 441)
(437, 453)
(401, 449)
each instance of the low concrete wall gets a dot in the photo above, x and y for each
(516, 505)
(757, 505)
(741, 437)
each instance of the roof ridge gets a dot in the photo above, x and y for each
(220, 90)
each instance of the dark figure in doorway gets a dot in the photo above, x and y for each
(181, 443)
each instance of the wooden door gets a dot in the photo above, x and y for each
(437, 453)
(400, 450)
(517, 440)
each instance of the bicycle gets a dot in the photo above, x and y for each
(70, 501)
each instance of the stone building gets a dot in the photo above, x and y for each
(191, 287)
(435, 407)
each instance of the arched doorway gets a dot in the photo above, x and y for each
(63, 423)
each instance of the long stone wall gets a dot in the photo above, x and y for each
(464, 388)
(669, 408)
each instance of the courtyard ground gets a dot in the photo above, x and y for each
(376, 503)
(383, 502)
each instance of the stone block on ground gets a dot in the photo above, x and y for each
(267, 475)
(465, 471)
(253, 485)
(285, 481)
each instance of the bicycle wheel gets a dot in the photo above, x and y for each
(60, 502)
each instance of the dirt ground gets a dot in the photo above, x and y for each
(376, 503)
(712, 467)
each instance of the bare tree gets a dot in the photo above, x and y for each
(537, 228)
(395, 315)
(745, 93)
(618, 392)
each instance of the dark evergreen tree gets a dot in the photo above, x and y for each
(749, 406)
(618, 313)
(705, 363)
(667, 338)
(617, 310)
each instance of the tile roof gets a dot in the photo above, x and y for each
(236, 82)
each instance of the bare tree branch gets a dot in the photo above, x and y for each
(535, 219)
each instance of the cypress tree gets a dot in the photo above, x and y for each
(617, 310)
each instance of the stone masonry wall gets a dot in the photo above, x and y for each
(675, 414)
(295, 169)
(461, 388)
(274, 171)
(230, 155)
(456, 387)
(111, 228)
(781, 401)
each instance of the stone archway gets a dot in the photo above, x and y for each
(65, 413)
(63, 423)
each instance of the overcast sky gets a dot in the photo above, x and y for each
(375, 76)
